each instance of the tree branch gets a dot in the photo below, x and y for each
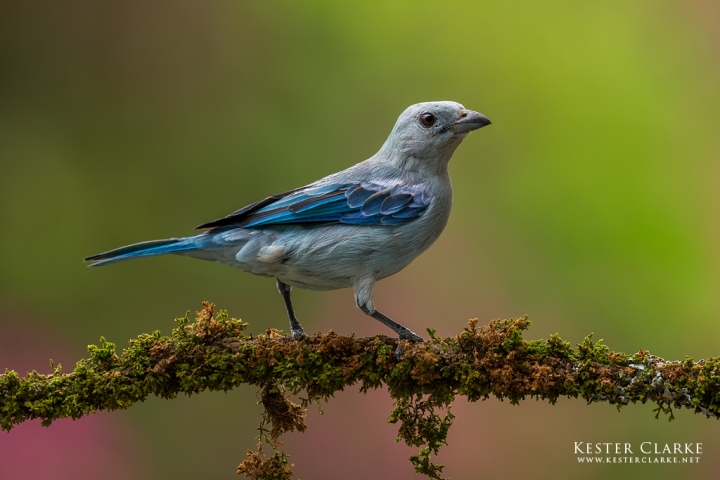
(214, 353)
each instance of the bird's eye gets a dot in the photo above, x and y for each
(427, 119)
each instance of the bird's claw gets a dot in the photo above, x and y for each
(298, 334)
(409, 336)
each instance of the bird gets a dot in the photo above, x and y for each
(346, 230)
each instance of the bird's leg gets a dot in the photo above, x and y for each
(403, 332)
(296, 330)
(364, 299)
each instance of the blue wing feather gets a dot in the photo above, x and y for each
(395, 203)
(372, 205)
(311, 203)
(358, 196)
(409, 212)
(364, 203)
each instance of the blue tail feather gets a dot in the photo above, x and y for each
(144, 249)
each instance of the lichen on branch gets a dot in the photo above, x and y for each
(214, 352)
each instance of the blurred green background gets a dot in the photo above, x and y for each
(590, 204)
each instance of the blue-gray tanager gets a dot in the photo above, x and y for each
(349, 229)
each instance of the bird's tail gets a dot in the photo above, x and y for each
(144, 249)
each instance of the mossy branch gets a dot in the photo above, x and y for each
(214, 353)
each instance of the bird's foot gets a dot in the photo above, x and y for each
(298, 334)
(410, 336)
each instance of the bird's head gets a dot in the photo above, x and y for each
(426, 135)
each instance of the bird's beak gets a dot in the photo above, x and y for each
(469, 121)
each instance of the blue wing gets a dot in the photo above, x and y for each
(365, 203)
